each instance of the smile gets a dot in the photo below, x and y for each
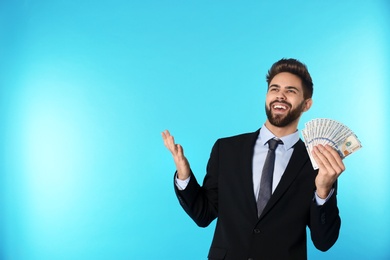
(280, 107)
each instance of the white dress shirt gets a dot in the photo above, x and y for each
(283, 154)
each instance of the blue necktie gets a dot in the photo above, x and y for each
(267, 176)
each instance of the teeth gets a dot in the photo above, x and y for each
(279, 106)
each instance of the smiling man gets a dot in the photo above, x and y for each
(261, 186)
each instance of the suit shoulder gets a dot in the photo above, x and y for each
(240, 137)
(300, 144)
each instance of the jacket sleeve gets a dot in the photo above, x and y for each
(325, 223)
(201, 202)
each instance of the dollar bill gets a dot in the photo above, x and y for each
(326, 131)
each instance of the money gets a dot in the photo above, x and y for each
(329, 132)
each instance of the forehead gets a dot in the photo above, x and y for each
(286, 79)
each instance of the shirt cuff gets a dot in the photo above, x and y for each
(181, 184)
(321, 201)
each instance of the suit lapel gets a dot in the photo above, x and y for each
(246, 164)
(297, 160)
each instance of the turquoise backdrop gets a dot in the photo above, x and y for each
(86, 88)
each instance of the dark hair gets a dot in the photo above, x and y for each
(295, 67)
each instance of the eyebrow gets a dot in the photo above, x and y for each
(288, 87)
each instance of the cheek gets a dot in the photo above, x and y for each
(268, 99)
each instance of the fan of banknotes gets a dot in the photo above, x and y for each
(326, 131)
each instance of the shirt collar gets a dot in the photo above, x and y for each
(288, 140)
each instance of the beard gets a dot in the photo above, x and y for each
(281, 120)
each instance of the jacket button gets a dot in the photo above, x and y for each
(256, 231)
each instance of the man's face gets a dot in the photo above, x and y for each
(284, 101)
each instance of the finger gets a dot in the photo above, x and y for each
(327, 159)
(336, 157)
(175, 149)
(180, 151)
(319, 157)
(165, 134)
(169, 141)
(332, 158)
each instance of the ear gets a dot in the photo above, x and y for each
(308, 103)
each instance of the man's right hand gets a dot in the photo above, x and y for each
(182, 165)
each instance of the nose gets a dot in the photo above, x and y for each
(280, 96)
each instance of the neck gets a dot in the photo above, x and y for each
(282, 131)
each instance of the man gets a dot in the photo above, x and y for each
(232, 189)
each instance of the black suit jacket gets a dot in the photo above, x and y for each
(280, 232)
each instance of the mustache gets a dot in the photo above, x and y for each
(280, 102)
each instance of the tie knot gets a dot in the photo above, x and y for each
(273, 143)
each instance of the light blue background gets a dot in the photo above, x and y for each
(88, 86)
